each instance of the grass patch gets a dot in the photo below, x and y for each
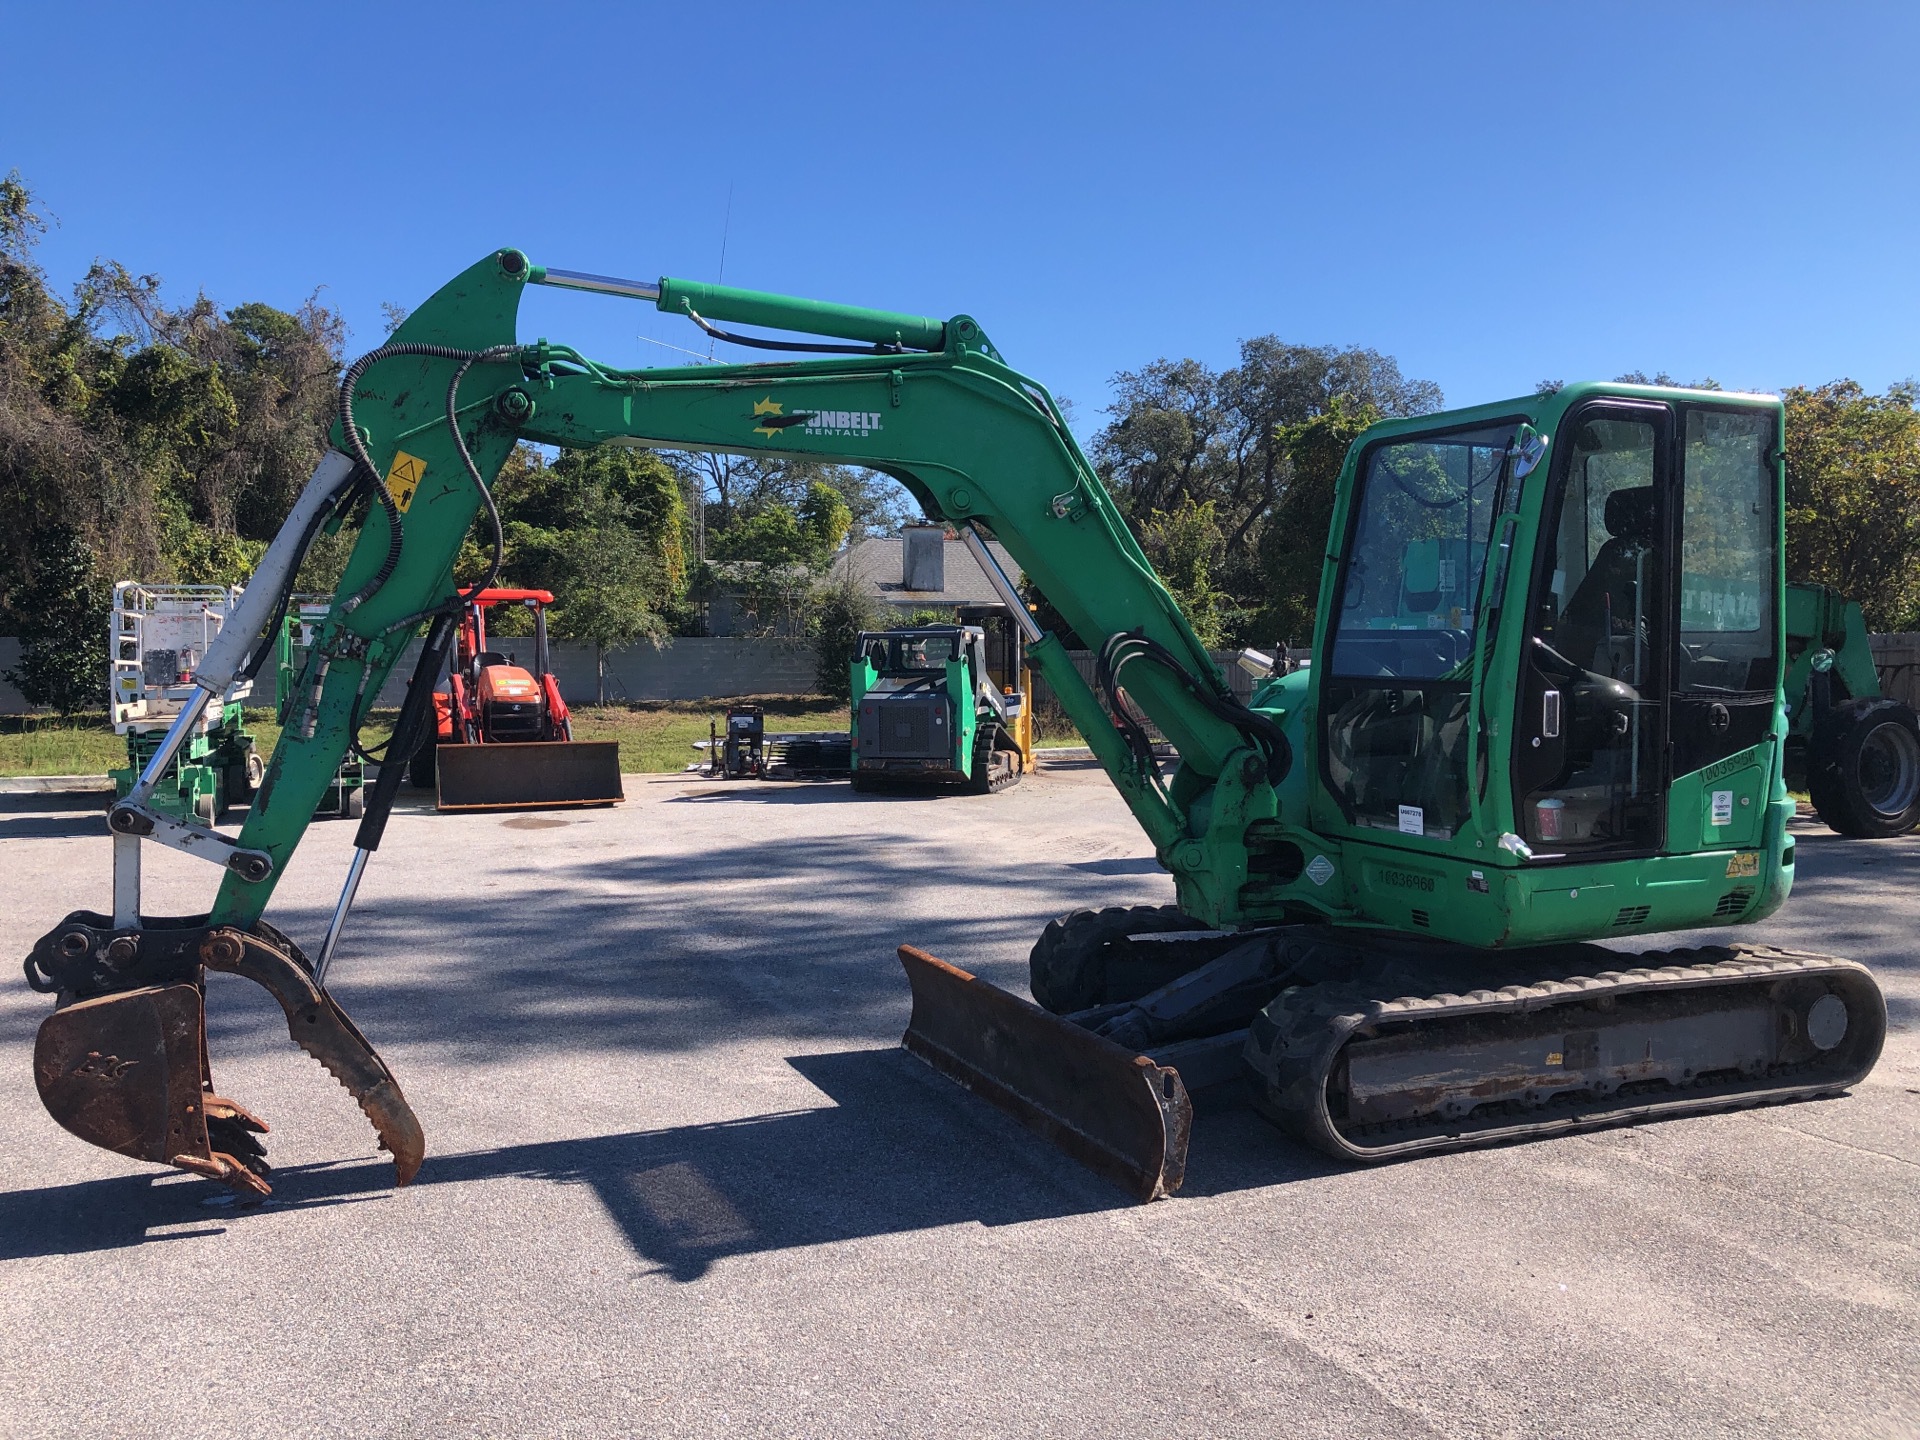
(85, 744)
(654, 736)
(50, 745)
(657, 735)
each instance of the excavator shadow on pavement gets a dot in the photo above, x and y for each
(899, 1150)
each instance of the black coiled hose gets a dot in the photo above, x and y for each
(1257, 729)
(370, 477)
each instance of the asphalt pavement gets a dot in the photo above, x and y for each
(682, 1181)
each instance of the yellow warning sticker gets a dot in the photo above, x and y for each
(403, 478)
(1744, 865)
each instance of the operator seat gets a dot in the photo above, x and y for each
(1581, 633)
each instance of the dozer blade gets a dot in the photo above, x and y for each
(123, 1062)
(1117, 1113)
(529, 775)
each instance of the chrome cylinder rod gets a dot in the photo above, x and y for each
(1002, 586)
(339, 920)
(170, 743)
(598, 284)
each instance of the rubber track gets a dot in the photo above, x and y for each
(1299, 1039)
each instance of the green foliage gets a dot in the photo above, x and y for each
(612, 588)
(603, 530)
(1183, 433)
(1853, 497)
(825, 519)
(1293, 544)
(1182, 544)
(776, 533)
(843, 611)
(63, 632)
(171, 440)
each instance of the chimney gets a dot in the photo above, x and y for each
(923, 557)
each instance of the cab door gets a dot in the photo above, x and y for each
(1591, 734)
(1726, 660)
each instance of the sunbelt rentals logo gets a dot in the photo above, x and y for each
(770, 418)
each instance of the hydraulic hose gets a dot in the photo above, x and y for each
(1258, 730)
(270, 635)
(370, 477)
(367, 475)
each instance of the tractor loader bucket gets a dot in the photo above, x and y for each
(529, 775)
(1118, 1113)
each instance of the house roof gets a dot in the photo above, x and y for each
(877, 566)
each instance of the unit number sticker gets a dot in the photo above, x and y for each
(1413, 820)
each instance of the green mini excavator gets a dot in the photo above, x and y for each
(1545, 712)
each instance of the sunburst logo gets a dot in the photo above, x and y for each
(769, 407)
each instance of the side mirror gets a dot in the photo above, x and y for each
(1529, 448)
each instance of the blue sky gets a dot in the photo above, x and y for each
(1492, 194)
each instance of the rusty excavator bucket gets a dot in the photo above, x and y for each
(529, 775)
(1118, 1113)
(122, 1063)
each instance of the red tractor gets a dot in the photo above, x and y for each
(505, 738)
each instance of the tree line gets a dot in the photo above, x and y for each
(140, 440)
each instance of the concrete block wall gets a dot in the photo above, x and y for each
(718, 667)
(685, 669)
(1897, 658)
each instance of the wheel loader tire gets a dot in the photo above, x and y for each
(1863, 768)
(420, 766)
(1082, 959)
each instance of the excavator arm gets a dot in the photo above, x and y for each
(425, 423)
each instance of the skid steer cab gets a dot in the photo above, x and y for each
(503, 738)
(943, 704)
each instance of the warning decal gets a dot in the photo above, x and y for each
(403, 478)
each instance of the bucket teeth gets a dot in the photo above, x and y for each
(320, 1027)
(217, 1165)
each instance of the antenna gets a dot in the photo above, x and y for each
(726, 227)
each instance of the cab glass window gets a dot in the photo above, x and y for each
(1396, 686)
(1727, 559)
